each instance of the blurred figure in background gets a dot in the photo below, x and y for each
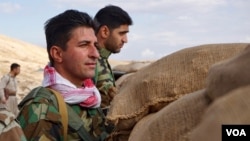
(8, 89)
(10, 130)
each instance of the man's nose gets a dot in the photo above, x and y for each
(94, 52)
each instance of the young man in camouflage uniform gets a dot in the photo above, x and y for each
(113, 25)
(71, 46)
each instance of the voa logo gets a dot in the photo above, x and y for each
(236, 132)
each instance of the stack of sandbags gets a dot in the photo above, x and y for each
(228, 86)
(229, 74)
(172, 122)
(164, 81)
(231, 109)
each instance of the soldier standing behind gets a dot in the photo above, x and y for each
(112, 28)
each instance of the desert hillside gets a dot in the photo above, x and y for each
(32, 59)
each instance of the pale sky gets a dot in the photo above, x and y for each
(160, 27)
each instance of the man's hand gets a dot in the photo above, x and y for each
(3, 100)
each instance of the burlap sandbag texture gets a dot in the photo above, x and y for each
(118, 136)
(229, 74)
(172, 122)
(164, 81)
(232, 108)
(120, 81)
(132, 67)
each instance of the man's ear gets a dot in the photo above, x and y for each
(105, 32)
(56, 53)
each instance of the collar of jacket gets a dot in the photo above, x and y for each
(104, 53)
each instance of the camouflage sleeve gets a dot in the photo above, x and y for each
(105, 82)
(107, 93)
(40, 120)
(10, 130)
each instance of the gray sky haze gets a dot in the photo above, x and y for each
(160, 27)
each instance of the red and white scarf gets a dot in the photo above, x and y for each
(87, 96)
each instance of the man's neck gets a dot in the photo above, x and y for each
(104, 53)
(12, 74)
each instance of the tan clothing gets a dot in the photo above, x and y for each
(10, 83)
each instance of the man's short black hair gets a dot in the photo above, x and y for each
(112, 16)
(14, 65)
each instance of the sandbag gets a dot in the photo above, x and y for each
(120, 81)
(118, 136)
(229, 74)
(232, 108)
(164, 81)
(172, 122)
(132, 66)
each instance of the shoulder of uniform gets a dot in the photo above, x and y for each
(40, 95)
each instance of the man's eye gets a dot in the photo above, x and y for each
(83, 45)
(96, 45)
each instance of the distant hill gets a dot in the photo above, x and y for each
(32, 59)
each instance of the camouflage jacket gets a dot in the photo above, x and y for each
(104, 78)
(10, 130)
(41, 120)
